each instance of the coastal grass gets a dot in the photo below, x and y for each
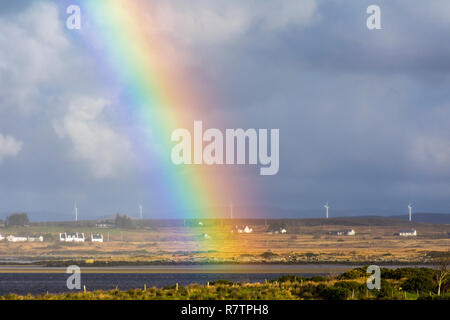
(398, 284)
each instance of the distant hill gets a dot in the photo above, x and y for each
(434, 218)
(400, 220)
(313, 216)
(349, 221)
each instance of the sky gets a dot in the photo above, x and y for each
(363, 114)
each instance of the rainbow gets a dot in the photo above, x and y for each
(159, 94)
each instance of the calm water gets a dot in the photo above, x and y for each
(35, 283)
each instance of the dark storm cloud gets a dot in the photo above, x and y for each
(354, 106)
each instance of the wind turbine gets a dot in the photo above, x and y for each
(140, 211)
(326, 206)
(410, 211)
(75, 209)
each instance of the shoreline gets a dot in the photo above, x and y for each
(205, 268)
(170, 263)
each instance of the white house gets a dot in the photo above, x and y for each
(36, 238)
(346, 232)
(350, 232)
(79, 237)
(71, 237)
(408, 233)
(247, 229)
(242, 229)
(96, 237)
(2, 238)
(12, 238)
(278, 231)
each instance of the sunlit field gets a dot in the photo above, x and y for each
(301, 244)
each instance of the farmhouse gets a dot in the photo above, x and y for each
(12, 238)
(407, 233)
(67, 236)
(71, 236)
(346, 232)
(281, 230)
(96, 237)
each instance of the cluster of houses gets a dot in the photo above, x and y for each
(247, 229)
(242, 229)
(280, 231)
(79, 237)
(407, 233)
(345, 232)
(12, 238)
(351, 232)
(64, 237)
(97, 237)
(105, 225)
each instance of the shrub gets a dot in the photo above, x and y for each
(308, 291)
(17, 219)
(386, 290)
(421, 284)
(318, 279)
(289, 278)
(221, 282)
(356, 273)
(310, 254)
(124, 222)
(334, 293)
(414, 272)
(445, 296)
(48, 237)
(390, 274)
(348, 285)
(268, 255)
